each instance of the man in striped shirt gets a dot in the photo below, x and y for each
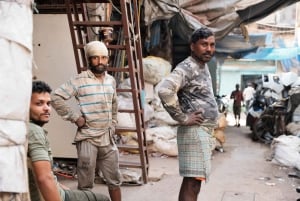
(95, 92)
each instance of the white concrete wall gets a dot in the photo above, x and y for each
(232, 71)
(54, 58)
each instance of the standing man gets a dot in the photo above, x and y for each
(43, 184)
(95, 92)
(187, 95)
(237, 97)
(248, 94)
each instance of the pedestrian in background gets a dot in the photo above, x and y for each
(95, 92)
(248, 94)
(237, 97)
(187, 95)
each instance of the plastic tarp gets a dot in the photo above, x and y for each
(220, 16)
(236, 46)
(273, 54)
(15, 92)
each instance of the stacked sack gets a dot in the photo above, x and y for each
(219, 132)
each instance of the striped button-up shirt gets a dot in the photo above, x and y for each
(97, 102)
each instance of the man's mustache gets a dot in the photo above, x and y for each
(100, 65)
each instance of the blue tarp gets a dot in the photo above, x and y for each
(236, 46)
(270, 53)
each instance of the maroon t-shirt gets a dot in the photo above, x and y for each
(237, 97)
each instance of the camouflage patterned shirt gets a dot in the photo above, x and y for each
(188, 89)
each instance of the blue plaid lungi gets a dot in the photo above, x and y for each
(194, 151)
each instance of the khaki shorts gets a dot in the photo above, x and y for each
(106, 158)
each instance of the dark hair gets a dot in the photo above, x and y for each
(200, 33)
(40, 87)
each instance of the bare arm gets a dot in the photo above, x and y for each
(45, 180)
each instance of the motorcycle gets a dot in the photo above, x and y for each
(257, 105)
(271, 123)
(273, 120)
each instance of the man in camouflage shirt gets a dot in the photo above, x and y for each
(188, 97)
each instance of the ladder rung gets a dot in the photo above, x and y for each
(125, 129)
(117, 47)
(133, 91)
(124, 90)
(97, 23)
(126, 111)
(114, 47)
(128, 147)
(130, 164)
(116, 69)
(89, 1)
(131, 147)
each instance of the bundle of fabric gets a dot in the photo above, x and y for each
(219, 132)
(15, 92)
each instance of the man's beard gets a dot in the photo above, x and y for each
(39, 122)
(99, 69)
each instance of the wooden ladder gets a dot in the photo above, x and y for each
(130, 45)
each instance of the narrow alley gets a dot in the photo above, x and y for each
(242, 173)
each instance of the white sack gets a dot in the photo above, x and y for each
(164, 118)
(148, 89)
(15, 92)
(127, 104)
(125, 84)
(126, 120)
(293, 128)
(167, 147)
(164, 139)
(161, 132)
(16, 22)
(286, 151)
(155, 68)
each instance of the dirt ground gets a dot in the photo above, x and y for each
(243, 172)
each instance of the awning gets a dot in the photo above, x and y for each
(221, 16)
(237, 46)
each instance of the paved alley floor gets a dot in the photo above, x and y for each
(241, 173)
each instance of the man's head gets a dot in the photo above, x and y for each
(250, 84)
(202, 44)
(40, 103)
(97, 55)
(237, 86)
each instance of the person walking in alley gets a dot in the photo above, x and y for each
(43, 184)
(187, 95)
(248, 94)
(237, 97)
(95, 91)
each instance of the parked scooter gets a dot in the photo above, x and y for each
(257, 105)
(272, 122)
